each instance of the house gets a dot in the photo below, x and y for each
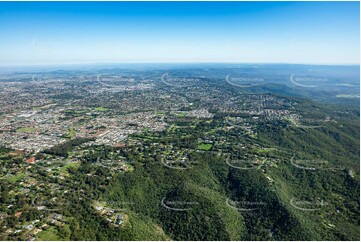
(36, 230)
(56, 216)
(119, 219)
(3, 215)
(28, 227)
(36, 221)
(119, 145)
(31, 160)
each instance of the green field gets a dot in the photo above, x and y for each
(26, 129)
(74, 165)
(47, 235)
(101, 109)
(71, 133)
(16, 178)
(264, 150)
(204, 146)
(181, 115)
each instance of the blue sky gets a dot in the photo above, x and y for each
(111, 32)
